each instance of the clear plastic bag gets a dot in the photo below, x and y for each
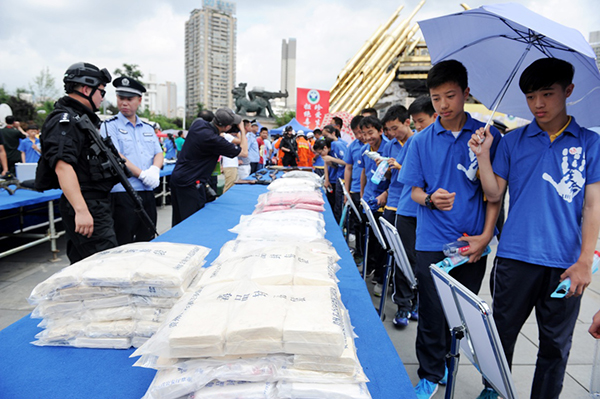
(302, 390)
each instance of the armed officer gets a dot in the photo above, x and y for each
(138, 144)
(69, 162)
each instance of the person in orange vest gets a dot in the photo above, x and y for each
(279, 157)
(305, 153)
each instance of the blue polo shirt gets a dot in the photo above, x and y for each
(373, 190)
(353, 157)
(338, 150)
(170, 149)
(393, 149)
(436, 159)
(253, 153)
(26, 146)
(547, 187)
(406, 205)
(138, 143)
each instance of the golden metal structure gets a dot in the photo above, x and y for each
(366, 76)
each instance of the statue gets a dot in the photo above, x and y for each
(258, 102)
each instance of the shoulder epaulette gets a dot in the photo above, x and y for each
(114, 118)
(152, 126)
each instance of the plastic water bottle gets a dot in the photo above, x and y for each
(374, 155)
(454, 254)
(595, 381)
(380, 172)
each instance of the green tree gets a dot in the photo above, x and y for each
(22, 110)
(42, 111)
(130, 70)
(285, 118)
(43, 86)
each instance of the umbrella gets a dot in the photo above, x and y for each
(497, 42)
(346, 118)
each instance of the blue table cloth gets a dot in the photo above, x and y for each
(27, 371)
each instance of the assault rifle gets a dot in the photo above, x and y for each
(9, 180)
(110, 164)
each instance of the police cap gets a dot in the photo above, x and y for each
(128, 87)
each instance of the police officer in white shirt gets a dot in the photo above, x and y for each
(137, 143)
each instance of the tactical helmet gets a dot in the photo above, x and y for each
(87, 75)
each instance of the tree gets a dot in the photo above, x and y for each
(22, 110)
(285, 118)
(43, 86)
(43, 110)
(130, 70)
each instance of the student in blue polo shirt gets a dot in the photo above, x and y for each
(353, 159)
(334, 165)
(374, 194)
(396, 124)
(442, 170)
(30, 146)
(336, 160)
(552, 167)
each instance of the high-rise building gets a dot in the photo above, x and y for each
(210, 48)
(595, 43)
(288, 72)
(160, 98)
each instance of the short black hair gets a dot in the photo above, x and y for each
(317, 131)
(9, 120)
(206, 115)
(332, 130)
(338, 121)
(246, 121)
(262, 129)
(395, 112)
(421, 104)
(450, 71)
(545, 72)
(369, 111)
(355, 122)
(320, 144)
(371, 121)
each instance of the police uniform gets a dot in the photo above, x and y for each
(139, 144)
(62, 139)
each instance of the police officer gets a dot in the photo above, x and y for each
(68, 163)
(139, 146)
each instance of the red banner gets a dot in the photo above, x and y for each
(311, 107)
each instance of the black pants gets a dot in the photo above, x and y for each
(186, 201)
(404, 296)
(377, 256)
(433, 334)
(103, 237)
(253, 167)
(338, 202)
(289, 160)
(519, 287)
(129, 227)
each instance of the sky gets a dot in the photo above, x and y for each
(35, 34)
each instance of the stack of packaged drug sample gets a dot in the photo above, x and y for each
(116, 298)
(265, 320)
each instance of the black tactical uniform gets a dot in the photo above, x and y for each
(63, 138)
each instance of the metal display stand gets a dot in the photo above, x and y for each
(372, 225)
(393, 238)
(469, 316)
(345, 219)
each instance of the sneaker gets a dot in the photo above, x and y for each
(425, 389)
(414, 313)
(444, 380)
(401, 318)
(488, 393)
(378, 289)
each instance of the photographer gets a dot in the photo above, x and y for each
(198, 158)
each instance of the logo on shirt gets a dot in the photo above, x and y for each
(572, 181)
(123, 131)
(471, 171)
(64, 118)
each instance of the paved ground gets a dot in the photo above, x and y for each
(19, 273)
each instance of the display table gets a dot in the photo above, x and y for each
(27, 371)
(23, 202)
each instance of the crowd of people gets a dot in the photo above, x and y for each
(446, 180)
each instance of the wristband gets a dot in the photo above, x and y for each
(429, 203)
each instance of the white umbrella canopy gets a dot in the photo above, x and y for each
(497, 42)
